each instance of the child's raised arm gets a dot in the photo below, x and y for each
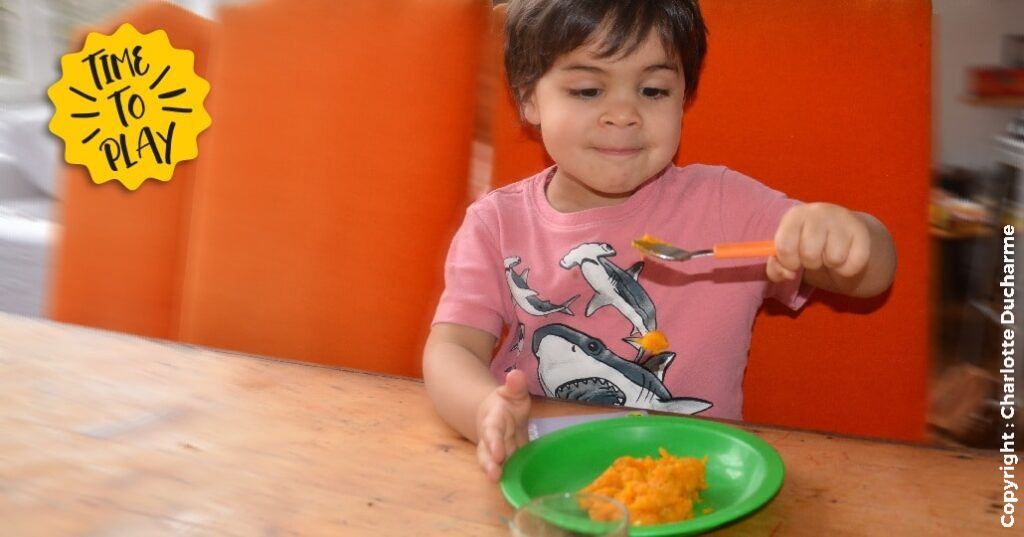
(462, 388)
(840, 250)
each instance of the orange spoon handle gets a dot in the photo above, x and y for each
(745, 249)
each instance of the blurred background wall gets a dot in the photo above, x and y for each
(33, 36)
(968, 34)
(978, 165)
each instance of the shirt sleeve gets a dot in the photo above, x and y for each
(474, 276)
(752, 212)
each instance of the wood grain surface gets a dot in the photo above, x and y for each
(104, 434)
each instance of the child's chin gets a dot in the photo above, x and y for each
(621, 187)
(616, 191)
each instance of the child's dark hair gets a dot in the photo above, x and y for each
(537, 32)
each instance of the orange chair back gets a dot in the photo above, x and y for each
(315, 222)
(119, 259)
(335, 173)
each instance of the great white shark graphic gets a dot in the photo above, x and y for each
(573, 365)
(527, 298)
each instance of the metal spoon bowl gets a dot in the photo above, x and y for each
(662, 250)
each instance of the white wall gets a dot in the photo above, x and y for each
(968, 33)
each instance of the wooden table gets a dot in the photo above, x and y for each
(103, 434)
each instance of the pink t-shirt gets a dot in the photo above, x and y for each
(570, 290)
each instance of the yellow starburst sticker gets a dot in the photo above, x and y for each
(129, 106)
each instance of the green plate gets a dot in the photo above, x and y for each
(743, 472)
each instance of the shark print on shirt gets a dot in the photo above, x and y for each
(517, 344)
(614, 287)
(527, 298)
(573, 365)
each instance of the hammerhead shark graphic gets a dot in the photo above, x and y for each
(612, 285)
(527, 298)
(573, 365)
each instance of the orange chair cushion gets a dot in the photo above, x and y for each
(336, 172)
(118, 260)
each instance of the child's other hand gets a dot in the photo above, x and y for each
(817, 235)
(501, 423)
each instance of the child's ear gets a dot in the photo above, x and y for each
(530, 112)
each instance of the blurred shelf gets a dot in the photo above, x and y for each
(990, 314)
(994, 102)
(972, 232)
(1010, 151)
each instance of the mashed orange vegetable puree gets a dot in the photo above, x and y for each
(647, 237)
(655, 491)
(653, 341)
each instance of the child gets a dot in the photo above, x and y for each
(548, 260)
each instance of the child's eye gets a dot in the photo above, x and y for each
(654, 93)
(585, 93)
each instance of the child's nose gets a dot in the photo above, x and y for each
(621, 113)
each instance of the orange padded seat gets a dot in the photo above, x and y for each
(315, 222)
(118, 260)
(826, 101)
(335, 173)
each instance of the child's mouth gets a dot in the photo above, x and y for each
(618, 151)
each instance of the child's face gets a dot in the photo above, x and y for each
(610, 124)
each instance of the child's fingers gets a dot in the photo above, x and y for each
(509, 432)
(787, 241)
(483, 455)
(515, 389)
(837, 249)
(776, 272)
(496, 441)
(510, 437)
(491, 431)
(812, 245)
(499, 434)
(521, 435)
(858, 255)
